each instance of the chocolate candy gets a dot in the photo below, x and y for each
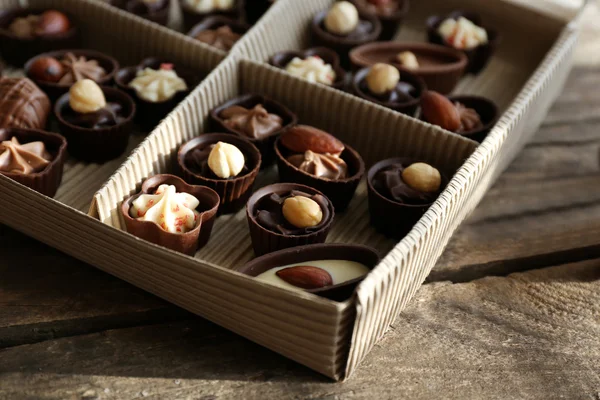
(22, 104)
(255, 123)
(398, 183)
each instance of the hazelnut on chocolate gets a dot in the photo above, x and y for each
(342, 18)
(382, 78)
(422, 177)
(225, 160)
(407, 59)
(86, 97)
(302, 212)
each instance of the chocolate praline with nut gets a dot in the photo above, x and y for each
(179, 195)
(95, 120)
(54, 72)
(33, 157)
(315, 158)
(26, 32)
(257, 118)
(469, 116)
(235, 187)
(341, 28)
(153, 10)
(391, 13)
(479, 52)
(286, 215)
(400, 192)
(219, 32)
(383, 84)
(307, 255)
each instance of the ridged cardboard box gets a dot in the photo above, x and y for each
(327, 336)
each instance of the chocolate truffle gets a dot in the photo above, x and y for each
(287, 215)
(313, 157)
(22, 104)
(341, 28)
(385, 85)
(171, 213)
(255, 123)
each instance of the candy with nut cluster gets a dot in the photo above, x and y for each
(462, 33)
(22, 104)
(315, 152)
(49, 23)
(23, 158)
(455, 117)
(158, 85)
(174, 212)
(313, 69)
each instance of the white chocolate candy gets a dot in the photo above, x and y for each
(342, 18)
(313, 69)
(225, 160)
(157, 85)
(173, 212)
(203, 6)
(340, 270)
(462, 34)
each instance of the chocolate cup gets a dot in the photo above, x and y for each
(342, 45)
(316, 252)
(442, 77)
(48, 180)
(283, 58)
(340, 192)
(217, 21)
(192, 17)
(97, 145)
(265, 146)
(233, 192)
(390, 24)
(408, 108)
(265, 241)
(160, 16)
(187, 243)
(388, 217)
(55, 90)
(16, 51)
(487, 110)
(149, 113)
(479, 56)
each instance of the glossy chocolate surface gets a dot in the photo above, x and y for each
(389, 183)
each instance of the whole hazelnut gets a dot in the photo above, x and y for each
(86, 96)
(382, 78)
(52, 23)
(422, 177)
(342, 18)
(225, 160)
(47, 69)
(302, 212)
(408, 60)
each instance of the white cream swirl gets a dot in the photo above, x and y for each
(203, 6)
(156, 85)
(313, 69)
(462, 34)
(173, 212)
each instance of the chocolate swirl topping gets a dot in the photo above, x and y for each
(23, 158)
(326, 166)
(470, 120)
(255, 123)
(78, 68)
(389, 183)
(222, 38)
(269, 214)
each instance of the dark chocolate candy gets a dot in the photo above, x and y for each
(389, 183)
(402, 93)
(269, 213)
(109, 116)
(196, 161)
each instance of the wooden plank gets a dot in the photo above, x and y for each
(46, 294)
(531, 335)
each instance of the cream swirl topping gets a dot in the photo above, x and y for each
(313, 69)
(210, 5)
(462, 33)
(173, 212)
(156, 85)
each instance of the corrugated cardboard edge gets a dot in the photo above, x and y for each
(380, 297)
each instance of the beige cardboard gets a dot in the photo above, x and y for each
(326, 336)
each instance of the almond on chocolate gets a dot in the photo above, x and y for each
(302, 138)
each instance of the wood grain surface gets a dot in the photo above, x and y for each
(68, 331)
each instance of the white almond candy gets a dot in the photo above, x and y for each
(173, 212)
(313, 69)
(462, 33)
(342, 18)
(225, 160)
(203, 6)
(157, 85)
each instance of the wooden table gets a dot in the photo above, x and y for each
(68, 331)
